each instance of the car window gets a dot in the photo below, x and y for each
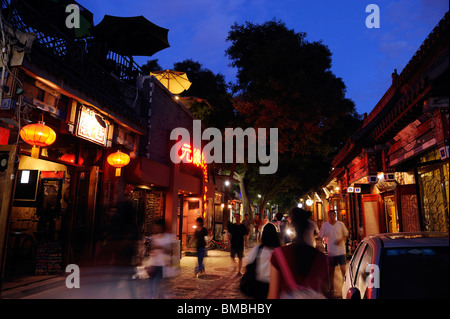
(361, 274)
(355, 260)
(415, 273)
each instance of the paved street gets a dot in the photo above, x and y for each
(219, 282)
(115, 282)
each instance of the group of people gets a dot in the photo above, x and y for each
(284, 267)
(283, 264)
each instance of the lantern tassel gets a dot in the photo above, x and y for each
(118, 171)
(35, 152)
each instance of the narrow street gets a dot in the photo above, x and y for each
(115, 282)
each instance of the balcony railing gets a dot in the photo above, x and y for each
(87, 57)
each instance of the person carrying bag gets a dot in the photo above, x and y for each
(255, 282)
(249, 285)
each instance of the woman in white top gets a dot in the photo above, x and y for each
(269, 241)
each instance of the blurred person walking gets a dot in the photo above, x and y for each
(246, 222)
(160, 253)
(298, 270)
(199, 236)
(237, 231)
(311, 231)
(257, 223)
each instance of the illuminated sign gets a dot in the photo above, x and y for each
(92, 126)
(195, 156)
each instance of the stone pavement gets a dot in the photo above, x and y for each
(220, 281)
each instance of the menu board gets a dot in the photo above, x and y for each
(154, 209)
(49, 259)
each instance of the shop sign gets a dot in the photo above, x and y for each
(4, 136)
(92, 126)
(196, 157)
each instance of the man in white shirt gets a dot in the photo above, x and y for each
(336, 234)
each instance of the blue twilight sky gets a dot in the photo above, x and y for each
(364, 58)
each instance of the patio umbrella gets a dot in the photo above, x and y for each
(175, 81)
(131, 36)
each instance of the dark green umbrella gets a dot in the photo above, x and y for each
(131, 36)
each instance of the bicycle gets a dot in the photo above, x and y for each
(223, 245)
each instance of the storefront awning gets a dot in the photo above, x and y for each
(143, 171)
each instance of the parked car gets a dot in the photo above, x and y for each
(399, 266)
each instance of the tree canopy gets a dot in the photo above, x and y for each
(286, 82)
(283, 81)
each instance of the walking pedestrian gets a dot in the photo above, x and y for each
(160, 253)
(237, 231)
(269, 241)
(311, 231)
(199, 235)
(257, 223)
(246, 222)
(335, 233)
(298, 264)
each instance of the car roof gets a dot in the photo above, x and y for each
(411, 239)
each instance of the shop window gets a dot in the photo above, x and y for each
(434, 193)
(26, 186)
(405, 178)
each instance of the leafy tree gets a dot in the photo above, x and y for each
(150, 66)
(285, 81)
(218, 111)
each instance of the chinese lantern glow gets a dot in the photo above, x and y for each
(118, 160)
(70, 158)
(37, 135)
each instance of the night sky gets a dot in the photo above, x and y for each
(364, 58)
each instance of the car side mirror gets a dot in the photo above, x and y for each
(353, 293)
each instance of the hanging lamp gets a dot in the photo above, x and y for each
(118, 160)
(37, 135)
(70, 158)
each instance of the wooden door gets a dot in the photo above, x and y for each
(371, 214)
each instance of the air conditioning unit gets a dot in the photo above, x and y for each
(373, 179)
(389, 177)
(8, 104)
(443, 151)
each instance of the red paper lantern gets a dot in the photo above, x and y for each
(38, 135)
(70, 158)
(118, 160)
